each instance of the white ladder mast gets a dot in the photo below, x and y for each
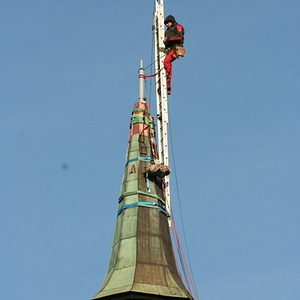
(161, 94)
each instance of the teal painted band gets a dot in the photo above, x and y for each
(144, 204)
(142, 110)
(140, 119)
(142, 158)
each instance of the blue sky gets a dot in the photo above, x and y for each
(68, 85)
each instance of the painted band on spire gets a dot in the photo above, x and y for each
(141, 120)
(156, 205)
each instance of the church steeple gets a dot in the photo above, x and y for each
(142, 262)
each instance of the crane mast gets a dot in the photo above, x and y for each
(161, 94)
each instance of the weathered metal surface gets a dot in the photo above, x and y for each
(142, 262)
(141, 120)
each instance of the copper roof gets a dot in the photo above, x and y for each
(142, 262)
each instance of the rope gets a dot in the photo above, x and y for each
(149, 76)
(189, 277)
(153, 62)
(151, 81)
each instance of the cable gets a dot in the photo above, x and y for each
(184, 266)
(153, 62)
(181, 254)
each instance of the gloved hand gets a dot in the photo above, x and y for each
(165, 41)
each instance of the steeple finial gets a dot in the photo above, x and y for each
(141, 83)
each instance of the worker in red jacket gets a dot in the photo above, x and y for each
(174, 36)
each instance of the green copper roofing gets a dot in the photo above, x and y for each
(142, 262)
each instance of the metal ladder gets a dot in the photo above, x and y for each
(161, 94)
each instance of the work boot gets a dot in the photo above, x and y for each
(169, 88)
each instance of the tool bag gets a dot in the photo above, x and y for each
(180, 51)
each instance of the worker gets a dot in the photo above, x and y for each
(174, 37)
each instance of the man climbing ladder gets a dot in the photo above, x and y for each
(164, 43)
(174, 39)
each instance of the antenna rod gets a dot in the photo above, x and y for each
(141, 82)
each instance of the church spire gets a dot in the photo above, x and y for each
(142, 262)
